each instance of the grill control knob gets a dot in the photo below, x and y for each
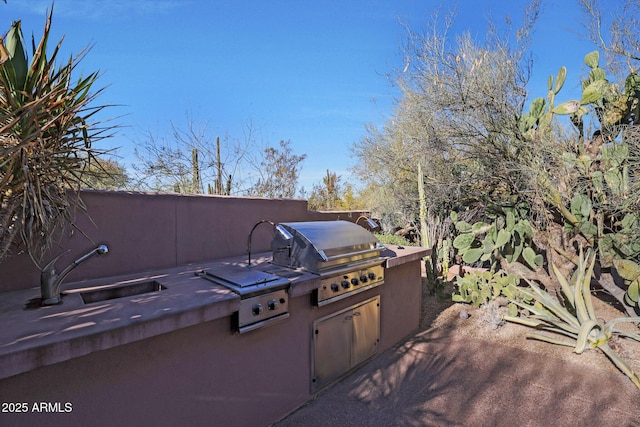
(363, 278)
(335, 287)
(272, 304)
(372, 275)
(346, 284)
(256, 309)
(354, 281)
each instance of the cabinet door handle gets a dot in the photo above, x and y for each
(356, 313)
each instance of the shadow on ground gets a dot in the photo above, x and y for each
(437, 379)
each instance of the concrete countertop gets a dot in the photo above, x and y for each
(41, 336)
(398, 255)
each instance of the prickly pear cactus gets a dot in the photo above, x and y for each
(612, 105)
(540, 113)
(602, 209)
(630, 272)
(479, 288)
(507, 237)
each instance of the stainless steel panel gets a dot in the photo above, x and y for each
(347, 283)
(267, 322)
(343, 340)
(243, 276)
(328, 235)
(366, 331)
(318, 246)
(244, 281)
(332, 348)
(261, 307)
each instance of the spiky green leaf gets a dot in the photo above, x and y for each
(583, 335)
(14, 44)
(620, 363)
(567, 289)
(550, 340)
(522, 321)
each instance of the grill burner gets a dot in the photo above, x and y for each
(263, 296)
(344, 255)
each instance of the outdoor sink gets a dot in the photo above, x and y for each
(121, 291)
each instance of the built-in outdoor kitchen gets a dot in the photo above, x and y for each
(249, 309)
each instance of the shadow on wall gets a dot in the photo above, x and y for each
(148, 231)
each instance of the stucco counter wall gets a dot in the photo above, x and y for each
(197, 371)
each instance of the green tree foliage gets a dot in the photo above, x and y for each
(48, 128)
(107, 175)
(326, 196)
(278, 171)
(335, 195)
(457, 117)
(569, 163)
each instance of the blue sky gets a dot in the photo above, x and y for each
(313, 72)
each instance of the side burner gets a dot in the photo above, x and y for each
(263, 296)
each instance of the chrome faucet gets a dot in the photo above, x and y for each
(277, 228)
(370, 222)
(50, 281)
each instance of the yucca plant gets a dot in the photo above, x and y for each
(572, 316)
(47, 128)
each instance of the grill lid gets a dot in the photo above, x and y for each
(320, 245)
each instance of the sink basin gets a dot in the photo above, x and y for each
(122, 291)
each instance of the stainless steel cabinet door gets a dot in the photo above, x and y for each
(366, 331)
(343, 340)
(332, 352)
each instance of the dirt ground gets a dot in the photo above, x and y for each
(439, 311)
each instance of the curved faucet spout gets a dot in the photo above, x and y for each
(370, 222)
(50, 281)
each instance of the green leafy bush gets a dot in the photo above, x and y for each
(392, 239)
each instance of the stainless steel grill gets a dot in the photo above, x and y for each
(345, 256)
(263, 296)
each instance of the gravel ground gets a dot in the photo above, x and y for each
(438, 311)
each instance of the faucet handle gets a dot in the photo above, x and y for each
(50, 267)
